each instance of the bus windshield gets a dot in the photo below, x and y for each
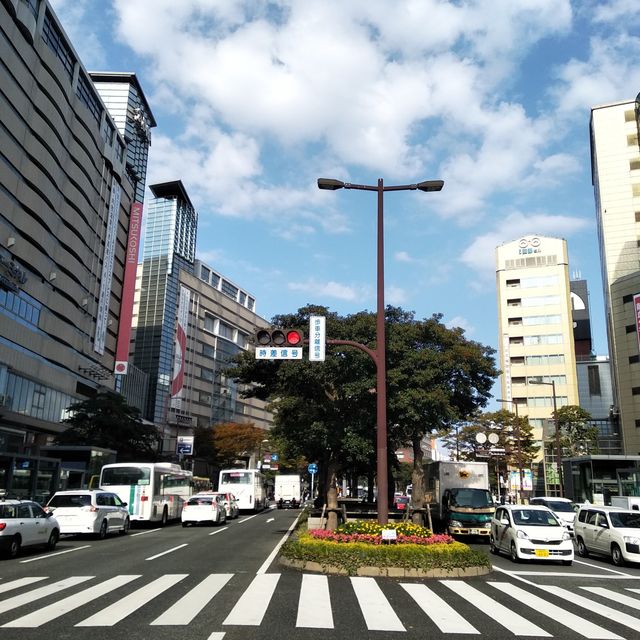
(125, 476)
(236, 477)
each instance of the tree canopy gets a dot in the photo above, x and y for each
(577, 436)
(232, 441)
(107, 421)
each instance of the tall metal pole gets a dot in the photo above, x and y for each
(558, 447)
(520, 469)
(381, 372)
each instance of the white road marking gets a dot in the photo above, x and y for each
(41, 592)
(142, 533)
(186, 609)
(213, 533)
(124, 607)
(57, 553)
(597, 566)
(164, 553)
(314, 604)
(620, 598)
(508, 618)
(255, 515)
(377, 612)
(57, 609)
(216, 635)
(253, 603)
(20, 582)
(274, 553)
(270, 519)
(444, 616)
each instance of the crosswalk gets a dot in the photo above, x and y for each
(447, 606)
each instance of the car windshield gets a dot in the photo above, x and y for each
(559, 505)
(201, 500)
(534, 518)
(75, 500)
(626, 520)
(471, 498)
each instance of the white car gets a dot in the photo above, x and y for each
(562, 507)
(203, 507)
(530, 532)
(24, 523)
(609, 531)
(230, 504)
(95, 512)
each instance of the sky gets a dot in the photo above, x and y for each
(255, 100)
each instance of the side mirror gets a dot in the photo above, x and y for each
(603, 524)
(124, 504)
(504, 521)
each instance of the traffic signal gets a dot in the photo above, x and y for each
(279, 338)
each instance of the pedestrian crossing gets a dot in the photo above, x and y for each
(463, 607)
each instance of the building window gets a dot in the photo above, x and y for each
(88, 97)
(21, 306)
(243, 298)
(205, 273)
(251, 303)
(540, 301)
(635, 391)
(637, 424)
(215, 280)
(52, 35)
(635, 189)
(630, 328)
(229, 289)
(225, 330)
(630, 116)
(637, 216)
(243, 339)
(634, 359)
(208, 351)
(513, 283)
(552, 338)
(33, 6)
(206, 374)
(634, 164)
(536, 320)
(209, 323)
(632, 141)
(593, 374)
(626, 299)
(515, 322)
(108, 132)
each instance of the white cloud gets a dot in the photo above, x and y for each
(331, 289)
(463, 323)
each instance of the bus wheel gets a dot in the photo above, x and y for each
(165, 517)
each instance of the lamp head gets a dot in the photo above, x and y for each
(430, 185)
(330, 184)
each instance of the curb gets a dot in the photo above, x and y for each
(386, 572)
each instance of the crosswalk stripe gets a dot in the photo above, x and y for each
(447, 619)
(126, 606)
(620, 598)
(601, 609)
(377, 612)
(41, 592)
(515, 623)
(188, 607)
(314, 605)
(70, 603)
(560, 615)
(253, 603)
(16, 584)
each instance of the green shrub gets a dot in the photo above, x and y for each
(372, 527)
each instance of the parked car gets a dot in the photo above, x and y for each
(90, 511)
(230, 504)
(562, 507)
(203, 507)
(24, 523)
(530, 532)
(609, 531)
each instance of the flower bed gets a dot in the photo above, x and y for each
(360, 544)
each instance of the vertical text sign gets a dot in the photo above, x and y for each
(636, 308)
(317, 338)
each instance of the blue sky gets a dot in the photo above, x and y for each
(255, 100)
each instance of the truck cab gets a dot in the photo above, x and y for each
(467, 511)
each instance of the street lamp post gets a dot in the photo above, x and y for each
(552, 384)
(379, 355)
(519, 447)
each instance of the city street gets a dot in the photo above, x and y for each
(222, 582)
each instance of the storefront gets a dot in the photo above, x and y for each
(597, 478)
(32, 477)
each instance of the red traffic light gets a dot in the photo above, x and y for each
(279, 338)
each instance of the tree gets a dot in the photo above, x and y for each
(233, 441)
(577, 436)
(107, 421)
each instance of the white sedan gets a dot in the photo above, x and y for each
(24, 523)
(203, 508)
(529, 532)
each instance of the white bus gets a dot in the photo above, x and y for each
(247, 485)
(153, 491)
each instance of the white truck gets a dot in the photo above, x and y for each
(457, 493)
(287, 492)
(632, 503)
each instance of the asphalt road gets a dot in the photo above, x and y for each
(215, 583)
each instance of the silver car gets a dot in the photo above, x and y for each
(203, 507)
(24, 523)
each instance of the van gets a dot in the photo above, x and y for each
(562, 507)
(608, 531)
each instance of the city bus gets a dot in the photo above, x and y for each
(247, 485)
(153, 491)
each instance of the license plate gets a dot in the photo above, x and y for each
(474, 532)
(542, 553)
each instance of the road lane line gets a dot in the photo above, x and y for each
(217, 635)
(620, 598)
(255, 515)
(378, 613)
(124, 607)
(57, 609)
(143, 533)
(596, 566)
(20, 582)
(57, 553)
(186, 609)
(253, 603)
(556, 613)
(164, 553)
(274, 553)
(270, 519)
(314, 604)
(508, 618)
(213, 533)
(41, 592)
(444, 616)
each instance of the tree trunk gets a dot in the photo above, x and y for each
(417, 480)
(332, 495)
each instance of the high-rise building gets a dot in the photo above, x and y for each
(536, 344)
(65, 207)
(615, 160)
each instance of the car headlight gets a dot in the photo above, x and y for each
(487, 524)
(521, 534)
(566, 536)
(455, 523)
(631, 539)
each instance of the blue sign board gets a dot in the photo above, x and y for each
(312, 468)
(274, 457)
